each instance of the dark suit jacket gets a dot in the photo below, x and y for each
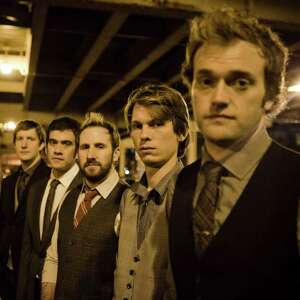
(11, 222)
(33, 249)
(254, 255)
(87, 254)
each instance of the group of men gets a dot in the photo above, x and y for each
(225, 227)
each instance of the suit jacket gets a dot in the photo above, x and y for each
(86, 254)
(254, 255)
(33, 249)
(12, 222)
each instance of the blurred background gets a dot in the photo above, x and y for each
(67, 57)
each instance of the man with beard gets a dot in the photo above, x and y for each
(85, 248)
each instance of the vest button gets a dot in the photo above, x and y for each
(131, 272)
(128, 286)
(136, 259)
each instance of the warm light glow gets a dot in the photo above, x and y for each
(10, 126)
(294, 88)
(5, 69)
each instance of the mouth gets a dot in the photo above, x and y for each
(219, 117)
(95, 164)
(57, 159)
(145, 149)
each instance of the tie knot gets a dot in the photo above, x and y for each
(90, 194)
(54, 183)
(212, 170)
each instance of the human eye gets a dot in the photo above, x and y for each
(52, 142)
(100, 146)
(156, 123)
(205, 81)
(136, 125)
(241, 84)
(83, 146)
(67, 143)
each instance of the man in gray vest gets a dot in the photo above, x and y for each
(233, 227)
(84, 248)
(157, 118)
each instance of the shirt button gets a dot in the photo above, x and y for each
(136, 259)
(128, 286)
(131, 272)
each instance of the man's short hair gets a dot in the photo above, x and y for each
(93, 119)
(225, 25)
(171, 105)
(30, 124)
(64, 123)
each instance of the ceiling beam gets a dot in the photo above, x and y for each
(174, 79)
(171, 41)
(109, 31)
(269, 10)
(39, 17)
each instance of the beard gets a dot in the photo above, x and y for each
(99, 174)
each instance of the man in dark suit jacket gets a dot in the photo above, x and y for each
(61, 143)
(29, 138)
(84, 252)
(233, 230)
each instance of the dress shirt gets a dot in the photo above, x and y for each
(151, 198)
(65, 181)
(49, 273)
(240, 167)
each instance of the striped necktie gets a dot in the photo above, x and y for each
(204, 212)
(85, 205)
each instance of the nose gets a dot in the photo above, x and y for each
(57, 149)
(24, 144)
(220, 96)
(145, 132)
(91, 153)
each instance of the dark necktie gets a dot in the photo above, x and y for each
(85, 205)
(21, 185)
(205, 209)
(49, 204)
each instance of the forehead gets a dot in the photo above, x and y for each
(27, 133)
(93, 135)
(149, 112)
(62, 135)
(237, 55)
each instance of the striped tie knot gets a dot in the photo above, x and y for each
(212, 171)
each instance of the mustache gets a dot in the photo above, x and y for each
(92, 163)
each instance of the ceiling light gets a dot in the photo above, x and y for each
(5, 69)
(294, 88)
(9, 126)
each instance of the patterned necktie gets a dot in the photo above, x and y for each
(85, 205)
(204, 211)
(49, 204)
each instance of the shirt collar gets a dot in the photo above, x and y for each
(140, 188)
(31, 170)
(106, 187)
(68, 177)
(239, 163)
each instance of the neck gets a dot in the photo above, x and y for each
(26, 165)
(59, 173)
(221, 150)
(155, 175)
